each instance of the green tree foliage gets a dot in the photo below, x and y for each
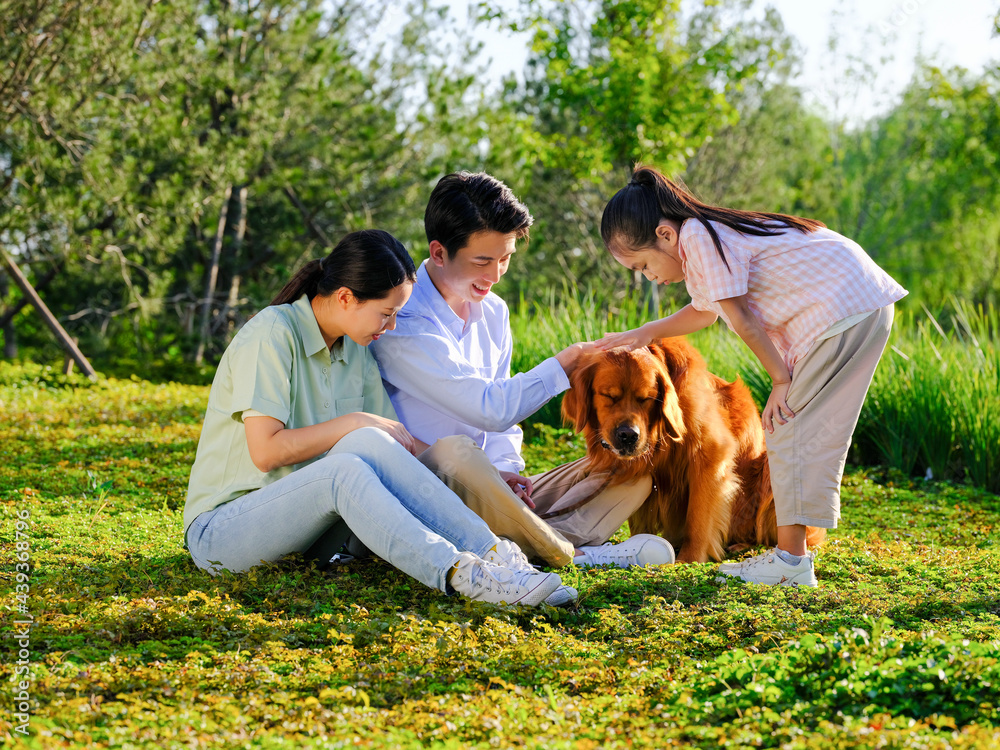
(226, 142)
(919, 187)
(164, 167)
(610, 83)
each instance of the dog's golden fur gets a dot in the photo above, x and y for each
(658, 410)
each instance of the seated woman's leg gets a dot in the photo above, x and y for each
(419, 490)
(291, 514)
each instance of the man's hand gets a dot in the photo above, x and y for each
(569, 357)
(520, 486)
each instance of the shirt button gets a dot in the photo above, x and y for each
(326, 405)
(326, 370)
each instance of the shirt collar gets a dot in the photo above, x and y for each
(305, 320)
(429, 296)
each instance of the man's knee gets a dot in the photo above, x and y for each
(453, 455)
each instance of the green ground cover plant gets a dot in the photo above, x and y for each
(131, 646)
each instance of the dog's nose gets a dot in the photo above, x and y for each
(626, 435)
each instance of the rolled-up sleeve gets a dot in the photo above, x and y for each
(707, 273)
(261, 367)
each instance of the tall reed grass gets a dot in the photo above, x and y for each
(934, 404)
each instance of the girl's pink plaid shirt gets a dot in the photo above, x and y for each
(797, 284)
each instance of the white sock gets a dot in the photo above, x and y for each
(788, 557)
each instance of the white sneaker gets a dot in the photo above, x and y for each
(639, 551)
(508, 555)
(483, 581)
(769, 569)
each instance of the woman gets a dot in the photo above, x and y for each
(300, 438)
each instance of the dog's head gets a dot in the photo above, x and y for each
(625, 403)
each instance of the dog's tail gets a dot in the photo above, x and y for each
(753, 520)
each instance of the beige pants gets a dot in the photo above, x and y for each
(578, 508)
(808, 453)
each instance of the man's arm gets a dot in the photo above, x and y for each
(425, 366)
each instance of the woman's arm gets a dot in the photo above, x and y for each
(272, 445)
(684, 321)
(746, 325)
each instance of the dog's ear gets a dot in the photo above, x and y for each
(674, 354)
(577, 400)
(673, 416)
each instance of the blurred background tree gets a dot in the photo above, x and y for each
(165, 166)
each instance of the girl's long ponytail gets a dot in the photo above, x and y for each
(634, 212)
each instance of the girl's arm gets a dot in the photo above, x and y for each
(749, 329)
(272, 445)
(684, 321)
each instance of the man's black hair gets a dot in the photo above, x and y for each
(464, 203)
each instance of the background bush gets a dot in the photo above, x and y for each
(934, 404)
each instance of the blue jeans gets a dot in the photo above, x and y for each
(389, 500)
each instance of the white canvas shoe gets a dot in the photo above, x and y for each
(639, 551)
(483, 581)
(508, 555)
(768, 568)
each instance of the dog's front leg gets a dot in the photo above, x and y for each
(711, 490)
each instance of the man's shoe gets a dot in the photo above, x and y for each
(768, 568)
(639, 551)
(508, 555)
(483, 581)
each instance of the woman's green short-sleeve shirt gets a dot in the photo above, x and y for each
(279, 365)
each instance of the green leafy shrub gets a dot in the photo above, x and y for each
(856, 672)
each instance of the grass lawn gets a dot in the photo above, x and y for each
(132, 646)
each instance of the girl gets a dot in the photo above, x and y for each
(301, 443)
(810, 304)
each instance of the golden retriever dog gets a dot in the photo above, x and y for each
(658, 410)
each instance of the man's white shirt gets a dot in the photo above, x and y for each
(448, 377)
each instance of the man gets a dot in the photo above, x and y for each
(446, 368)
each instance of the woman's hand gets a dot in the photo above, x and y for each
(272, 446)
(634, 339)
(520, 486)
(395, 429)
(777, 407)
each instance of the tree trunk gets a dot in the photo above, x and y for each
(213, 275)
(8, 315)
(234, 284)
(47, 316)
(7, 325)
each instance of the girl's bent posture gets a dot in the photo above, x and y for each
(810, 304)
(300, 443)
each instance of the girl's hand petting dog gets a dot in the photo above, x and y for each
(631, 340)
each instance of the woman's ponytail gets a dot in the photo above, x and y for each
(305, 282)
(370, 263)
